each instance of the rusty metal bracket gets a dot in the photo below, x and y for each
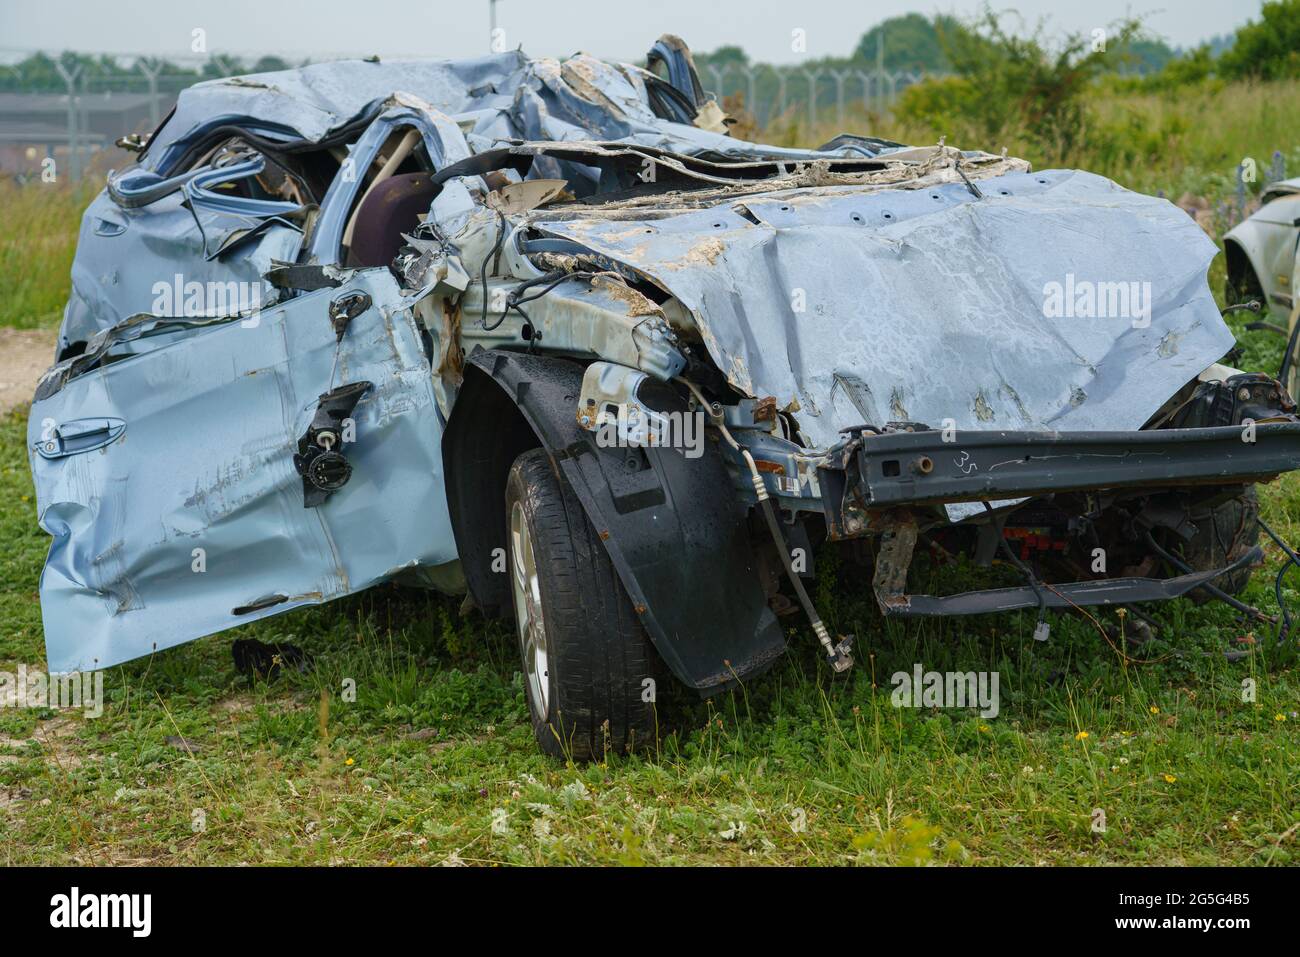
(889, 581)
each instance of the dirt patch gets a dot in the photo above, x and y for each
(57, 737)
(24, 355)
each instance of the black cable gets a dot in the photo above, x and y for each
(1284, 628)
(517, 300)
(482, 275)
(514, 300)
(1286, 356)
(1015, 560)
(1212, 589)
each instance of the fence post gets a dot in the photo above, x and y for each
(865, 80)
(74, 147)
(1241, 192)
(151, 68)
(840, 77)
(812, 97)
(719, 78)
(769, 108)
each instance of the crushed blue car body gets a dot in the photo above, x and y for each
(249, 264)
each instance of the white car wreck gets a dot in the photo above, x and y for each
(544, 333)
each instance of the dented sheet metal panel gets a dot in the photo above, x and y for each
(152, 259)
(929, 304)
(203, 461)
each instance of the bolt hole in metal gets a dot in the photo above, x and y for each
(526, 588)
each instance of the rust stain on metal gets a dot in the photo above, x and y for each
(452, 364)
(765, 409)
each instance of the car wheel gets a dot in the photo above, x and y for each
(1223, 534)
(591, 674)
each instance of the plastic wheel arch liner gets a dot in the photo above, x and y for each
(675, 531)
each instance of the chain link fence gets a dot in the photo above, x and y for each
(69, 109)
(73, 108)
(769, 92)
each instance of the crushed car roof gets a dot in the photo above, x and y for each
(502, 97)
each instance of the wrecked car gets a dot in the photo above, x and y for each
(1260, 251)
(1261, 259)
(544, 334)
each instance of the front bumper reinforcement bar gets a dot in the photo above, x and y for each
(883, 470)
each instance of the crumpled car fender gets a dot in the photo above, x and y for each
(675, 531)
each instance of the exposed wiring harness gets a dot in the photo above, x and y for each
(836, 653)
(482, 273)
(1248, 610)
(1283, 622)
(514, 300)
(1284, 627)
(1042, 630)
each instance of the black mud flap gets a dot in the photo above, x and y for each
(674, 528)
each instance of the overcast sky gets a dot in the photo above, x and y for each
(613, 29)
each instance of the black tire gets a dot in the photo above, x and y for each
(1223, 534)
(1241, 289)
(598, 655)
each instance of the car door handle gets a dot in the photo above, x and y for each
(108, 227)
(79, 435)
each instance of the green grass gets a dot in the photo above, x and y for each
(793, 768)
(1148, 141)
(38, 236)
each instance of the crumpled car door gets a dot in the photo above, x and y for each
(186, 231)
(169, 476)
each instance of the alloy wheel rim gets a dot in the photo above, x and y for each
(527, 590)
